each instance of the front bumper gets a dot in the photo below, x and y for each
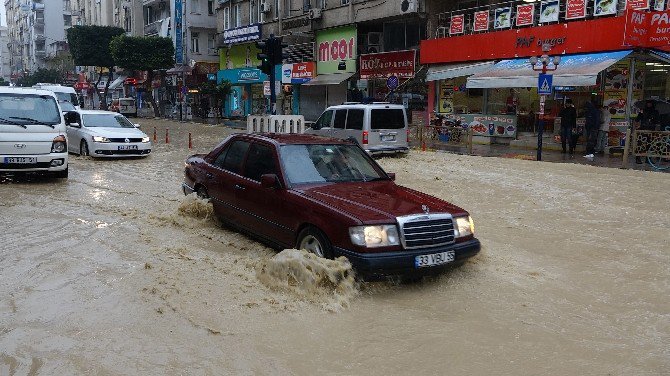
(402, 262)
(111, 149)
(44, 163)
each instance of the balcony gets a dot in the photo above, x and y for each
(153, 28)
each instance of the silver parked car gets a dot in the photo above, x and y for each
(380, 128)
(105, 134)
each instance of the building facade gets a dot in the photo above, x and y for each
(5, 58)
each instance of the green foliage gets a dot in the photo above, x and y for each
(89, 45)
(142, 53)
(217, 91)
(3, 82)
(41, 75)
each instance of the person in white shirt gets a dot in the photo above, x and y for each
(603, 131)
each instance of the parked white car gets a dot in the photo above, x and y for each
(105, 134)
(32, 132)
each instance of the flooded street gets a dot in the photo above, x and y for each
(115, 272)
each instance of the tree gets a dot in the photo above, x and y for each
(89, 46)
(217, 92)
(144, 54)
(41, 75)
(3, 82)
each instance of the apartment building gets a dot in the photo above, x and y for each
(5, 58)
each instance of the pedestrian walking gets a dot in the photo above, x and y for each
(603, 132)
(591, 126)
(568, 126)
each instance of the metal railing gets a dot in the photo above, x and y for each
(439, 137)
(655, 144)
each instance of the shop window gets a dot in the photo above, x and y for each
(355, 119)
(340, 119)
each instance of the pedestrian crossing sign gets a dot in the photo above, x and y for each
(544, 84)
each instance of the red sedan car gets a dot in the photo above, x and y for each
(329, 197)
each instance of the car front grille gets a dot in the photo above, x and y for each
(123, 140)
(426, 230)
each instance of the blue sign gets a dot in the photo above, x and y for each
(544, 82)
(242, 34)
(392, 82)
(248, 75)
(241, 76)
(179, 43)
(211, 76)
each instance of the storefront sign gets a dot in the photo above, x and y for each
(295, 23)
(334, 46)
(647, 29)
(248, 75)
(239, 56)
(481, 21)
(604, 7)
(178, 41)
(489, 125)
(549, 11)
(575, 9)
(241, 76)
(637, 4)
(503, 18)
(386, 64)
(242, 34)
(298, 73)
(525, 14)
(457, 24)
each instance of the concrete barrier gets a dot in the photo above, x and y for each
(276, 124)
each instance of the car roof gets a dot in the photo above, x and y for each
(374, 105)
(25, 90)
(55, 87)
(97, 112)
(294, 138)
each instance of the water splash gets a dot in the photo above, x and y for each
(195, 207)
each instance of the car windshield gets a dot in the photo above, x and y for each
(19, 108)
(106, 121)
(67, 97)
(319, 163)
(66, 106)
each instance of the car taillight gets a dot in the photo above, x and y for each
(365, 137)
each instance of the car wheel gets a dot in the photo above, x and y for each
(83, 149)
(201, 191)
(61, 174)
(313, 240)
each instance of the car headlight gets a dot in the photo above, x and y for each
(59, 144)
(464, 227)
(374, 236)
(100, 139)
(145, 139)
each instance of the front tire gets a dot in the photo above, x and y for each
(201, 191)
(83, 149)
(61, 174)
(313, 240)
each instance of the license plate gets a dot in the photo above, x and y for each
(388, 137)
(21, 160)
(127, 147)
(434, 259)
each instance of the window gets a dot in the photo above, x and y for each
(210, 7)
(195, 6)
(261, 160)
(67, 20)
(345, 2)
(235, 156)
(127, 21)
(226, 18)
(211, 43)
(66, 5)
(195, 42)
(253, 12)
(324, 120)
(387, 119)
(340, 119)
(355, 119)
(237, 13)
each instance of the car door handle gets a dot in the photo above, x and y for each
(239, 187)
(209, 175)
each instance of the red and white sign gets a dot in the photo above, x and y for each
(481, 21)
(384, 65)
(457, 24)
(575, 9)
(525, 14)
(637, 4)
(647, 29)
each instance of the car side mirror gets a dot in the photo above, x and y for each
(391, 175)
(270, 181)
(136, 125)
(71, 117)
(74, 125)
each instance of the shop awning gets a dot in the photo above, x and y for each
(445, 71)
(663, 56)
(329, 79)
(574, 70)
(116, 83)
(185, 69)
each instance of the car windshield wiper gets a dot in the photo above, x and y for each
(379, 178)
(34, 121)
(5, 121)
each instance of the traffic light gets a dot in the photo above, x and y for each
(278, 56)
(265, 56)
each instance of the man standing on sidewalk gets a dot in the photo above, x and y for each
(568, 122)
(605, 118)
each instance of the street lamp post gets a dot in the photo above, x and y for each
(545, 60)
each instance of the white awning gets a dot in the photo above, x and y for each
(573, 70)
(116, 83)
(445, 71)
(329, 79)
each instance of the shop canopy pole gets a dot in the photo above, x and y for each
(629, 102)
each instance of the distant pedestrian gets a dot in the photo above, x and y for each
(603, 132)
(568, 126)
(591, 126)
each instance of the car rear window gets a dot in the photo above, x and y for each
(387, 119)
(355, 119)
(340, 119)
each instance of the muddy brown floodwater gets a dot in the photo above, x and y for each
(115, 272)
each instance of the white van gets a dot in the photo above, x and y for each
(380, 127)
(66, 95)
(32, 132)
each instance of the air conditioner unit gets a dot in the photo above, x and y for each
(407, 6)
(374, 38)
(314, 13)
(264, 6)
(161, 5)
(373, 49)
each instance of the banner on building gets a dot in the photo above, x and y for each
(637, 4)
(178, 40)
(503, 18)
(242, 34)
(387, 64)
(481, 21)
(525, 14)
(549, 11)
(575, 9)
(298, 73)
(457, 25)
(604, 7)
(239, 56)
(336, 49)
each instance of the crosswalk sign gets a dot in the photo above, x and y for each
(544, 83)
